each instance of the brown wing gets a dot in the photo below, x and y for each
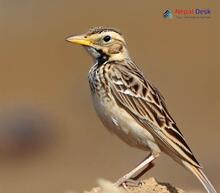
(144, 102)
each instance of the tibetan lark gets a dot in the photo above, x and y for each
(130, 106)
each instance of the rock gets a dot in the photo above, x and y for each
(146, 186)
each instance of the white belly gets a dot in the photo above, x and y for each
(118, 121)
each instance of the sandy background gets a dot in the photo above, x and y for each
(47, 76)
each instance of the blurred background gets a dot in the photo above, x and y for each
(50, 137)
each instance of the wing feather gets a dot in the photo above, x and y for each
(146, 104)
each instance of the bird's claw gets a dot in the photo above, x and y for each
(127, 182)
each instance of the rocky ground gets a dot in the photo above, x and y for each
(146, 186)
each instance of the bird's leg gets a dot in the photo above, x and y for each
(137, 170)
(144, 170)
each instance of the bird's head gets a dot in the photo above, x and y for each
(103, 44)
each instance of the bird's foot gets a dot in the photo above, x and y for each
(127, 182)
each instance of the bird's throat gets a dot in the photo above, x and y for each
(103, 57)
(98, 55)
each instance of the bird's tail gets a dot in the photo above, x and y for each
(201, 176)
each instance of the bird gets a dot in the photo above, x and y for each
(130, 106)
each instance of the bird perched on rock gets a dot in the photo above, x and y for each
(130, 106)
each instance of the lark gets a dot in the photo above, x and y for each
(130, 106)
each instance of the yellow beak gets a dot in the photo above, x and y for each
(81, 39)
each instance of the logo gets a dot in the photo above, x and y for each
(192, 13)
(168, 14)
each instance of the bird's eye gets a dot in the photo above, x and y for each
(107, 38)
